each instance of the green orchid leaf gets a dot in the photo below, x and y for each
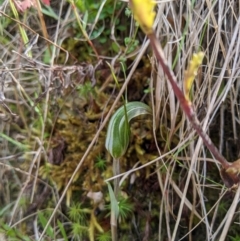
(118, 133)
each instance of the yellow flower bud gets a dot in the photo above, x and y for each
(191, 73)
(143, 12)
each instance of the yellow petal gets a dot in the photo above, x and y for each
(143, 12)
(191, 72)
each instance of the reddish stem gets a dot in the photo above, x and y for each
(185, 105)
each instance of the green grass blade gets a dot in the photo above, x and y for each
(63, 232)
(14, 142)
(43, 221)
(114, 202)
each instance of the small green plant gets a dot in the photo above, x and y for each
(100, 163)
(95, 16)
(84, 222)
(86, 90)
(125, 208)
(79, 231)
(106, 236)
(131, 44)
(77, 213)
(12, 233)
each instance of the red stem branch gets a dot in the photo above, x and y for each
(185, 105)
